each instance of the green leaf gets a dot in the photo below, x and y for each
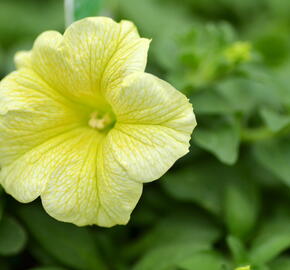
(222, 140)
(274, 47)
(241, 93)
(236, 94)
(282, 263)
(1, 208)
(260, 267)
(274, 120)
(257, 89)
(168, 256)
(12, 236)
(47, 268)
(202, 183)
(179, 228)
(203, 260)
(71, 245)
(241, 207)
(275, 155)
(210, 102)
(202, 59)
(39, 20)
(281, 79)
(40, 254)
(2, 203)
(86, 8)
(273, 238)
(237, 249)
(4, 265)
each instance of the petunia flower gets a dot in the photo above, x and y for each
(83, 126)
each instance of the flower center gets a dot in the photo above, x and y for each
(100, 121)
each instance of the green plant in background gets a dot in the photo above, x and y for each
(224, 206)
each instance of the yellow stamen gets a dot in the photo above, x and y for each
(98, 121)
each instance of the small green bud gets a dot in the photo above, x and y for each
(238, 52)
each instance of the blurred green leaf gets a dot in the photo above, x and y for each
(282, 80)
(12, 236)
(237, 249)
(168, 256)
(86, 8)
(203, 260)
(241, 207)
(274, 46)
(40, 254)
(210, 101)
(237, 11)
(202, 183)
(178, 228)
(2, 203)
(256, 87)
(71, 245)
(202, 60)
(282, 263)
(221, 139)
(260, 267)
(272, 239)
(274, 120)
(32, 19)
(47, 268)
(4, 265)
(275, 156)
(161, 22)
(241, 93)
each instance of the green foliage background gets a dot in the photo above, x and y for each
(227, 203)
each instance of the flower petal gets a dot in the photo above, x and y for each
(26, 177)
(129, 155)
(118, 193)
(69, 173)
(31, 113)
(71, 193)
(24, 90)
(154, 126)
(144, 99)
(92, 55)
(22, 59)
(145, 152)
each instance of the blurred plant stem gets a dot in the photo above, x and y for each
(79, 9)
(69, 12)
(256, 134)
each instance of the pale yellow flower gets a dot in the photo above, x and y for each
(83, 126)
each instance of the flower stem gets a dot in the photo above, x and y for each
(256, 134)
(69, 12)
